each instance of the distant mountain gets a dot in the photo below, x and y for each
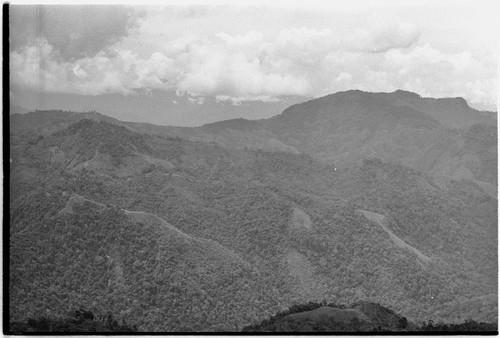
(157, 106)
(14, 109)
(343, 128)
(432, 135)
(397, 127)
(47, 121)
(450, 112)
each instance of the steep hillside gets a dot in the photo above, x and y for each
(283, 227)
(99, 146)
(351, 198)
(470, 155)
(401, 127)
(134, 264)
(450, 112)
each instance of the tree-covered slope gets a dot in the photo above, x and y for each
(187, 235)
(431, 135)
(135, 265)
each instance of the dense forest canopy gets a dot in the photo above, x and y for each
(221, 227)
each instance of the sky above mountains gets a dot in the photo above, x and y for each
(247, 53)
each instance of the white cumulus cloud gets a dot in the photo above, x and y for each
(382, 53)
(381, 34)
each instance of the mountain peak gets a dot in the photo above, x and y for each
(237, 124)
(100, 127)
(405, 93)
(399, 93)
(460, 101)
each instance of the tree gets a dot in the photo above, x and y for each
(403, 323)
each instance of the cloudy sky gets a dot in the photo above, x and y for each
(249, 54)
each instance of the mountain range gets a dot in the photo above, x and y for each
(382, 197)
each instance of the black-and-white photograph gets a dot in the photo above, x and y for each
(208, 167)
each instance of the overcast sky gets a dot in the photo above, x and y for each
(248, 53)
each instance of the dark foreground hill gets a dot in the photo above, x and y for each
(174, 234)
(77, 321)
(359, 317)
(301, 318)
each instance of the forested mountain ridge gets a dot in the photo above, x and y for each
(206, 237)
(431, 135)
(400, 127)
(43, 122)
